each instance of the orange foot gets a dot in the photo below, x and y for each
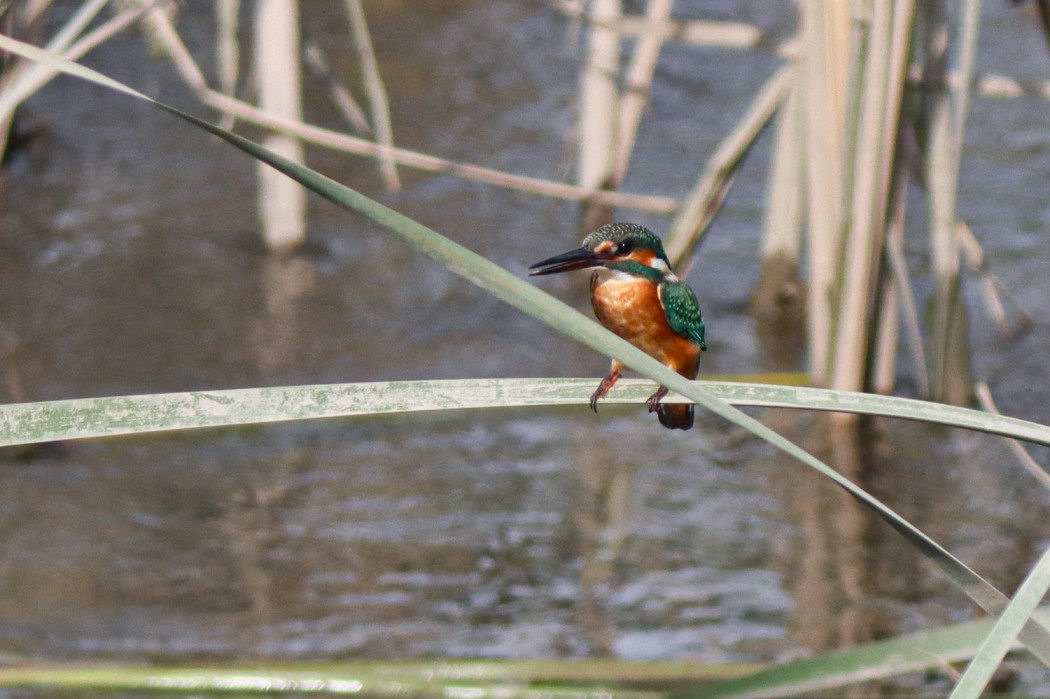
(604, 387)
(653, 401)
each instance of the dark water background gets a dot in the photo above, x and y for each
(130, 263)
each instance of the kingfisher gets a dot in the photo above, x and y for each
(635, 294)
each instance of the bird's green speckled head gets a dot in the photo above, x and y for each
(626, 237)
(626, 247)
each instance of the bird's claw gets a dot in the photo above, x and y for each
(603, 388)
(654, 400)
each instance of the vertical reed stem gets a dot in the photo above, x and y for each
(638, 82)
(599, 107)
(863, 235)
(282, 202)
(824, 28)
(949, 341)
(885, 62)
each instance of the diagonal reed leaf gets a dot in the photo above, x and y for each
(1004, 633)
(531, 300)
(915, 652)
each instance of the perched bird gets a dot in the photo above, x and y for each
(636, 295)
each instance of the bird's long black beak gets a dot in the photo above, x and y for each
(580, 258)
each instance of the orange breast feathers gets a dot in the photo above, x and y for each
(631, 308)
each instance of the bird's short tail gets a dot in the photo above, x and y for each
(675, 416)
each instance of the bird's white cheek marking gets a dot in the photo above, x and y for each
(657, 263)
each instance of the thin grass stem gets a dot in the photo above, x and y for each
(696, 32)
(377, 98)
(341, 97)
(984, 397)
(30, 77)
(901, 278)
(975, 258)
(227, 50)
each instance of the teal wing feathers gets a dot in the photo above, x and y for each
(682, 311)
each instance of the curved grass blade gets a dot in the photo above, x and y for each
(49, 421)
(531, 300)
(911, 653)
(254, 682)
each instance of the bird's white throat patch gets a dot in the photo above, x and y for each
(604, 274)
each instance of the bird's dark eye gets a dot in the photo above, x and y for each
(625, 247)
